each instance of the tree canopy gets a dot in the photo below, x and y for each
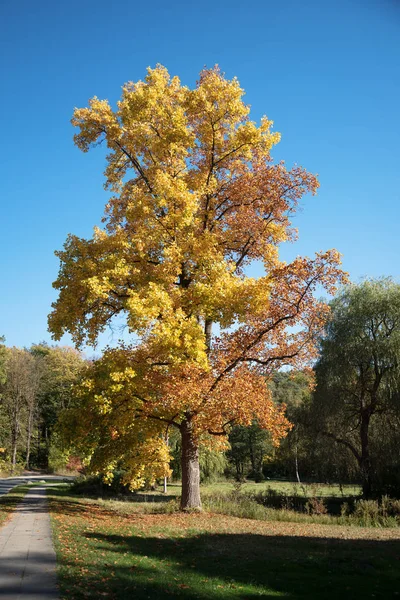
(195, 200)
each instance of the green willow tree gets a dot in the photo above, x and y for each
(358, 373)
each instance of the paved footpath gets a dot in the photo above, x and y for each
(8, 483)
(27, 556)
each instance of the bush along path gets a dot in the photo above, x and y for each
(27, 557)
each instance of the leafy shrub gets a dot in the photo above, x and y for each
(257, 476)
(235, 504)
(93, 485)
(368, 510)
(74, 465)
(7, 470)
(344, 509)
(371, 513)
(272, 499)
(4, 467)
(394, 508)
(270, 505)
(316, 506)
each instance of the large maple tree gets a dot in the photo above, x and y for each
(195, 200)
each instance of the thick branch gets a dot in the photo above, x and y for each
(156, 418)
(136, 164)
(208, 333)
(261, 334)
(344, 443)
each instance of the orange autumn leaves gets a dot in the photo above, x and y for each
(196, 199)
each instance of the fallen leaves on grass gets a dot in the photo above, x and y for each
(201, 555)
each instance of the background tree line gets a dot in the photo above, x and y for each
(345, 414)
(35, 386)
(347, 429)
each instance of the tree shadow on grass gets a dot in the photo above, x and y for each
(65, 502)
(225, 565)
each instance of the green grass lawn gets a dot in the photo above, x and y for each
(288, 488)
(281, 487)
(104, 554)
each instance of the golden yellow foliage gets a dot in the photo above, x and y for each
(196, 199)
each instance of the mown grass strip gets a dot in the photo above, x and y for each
(105, 554)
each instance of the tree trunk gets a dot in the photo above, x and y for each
(14, 439)
(365, 459)
(296, 462)
(28, 452)
(252, 459)
(47, 443)
(165, 478)
(29, 437)
(39, 435)
(208, 333)
(190, 469)
(239, 470)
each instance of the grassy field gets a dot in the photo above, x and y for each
(281, 487)
(104, 554)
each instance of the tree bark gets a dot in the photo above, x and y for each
(365, 458)
(14, 436)
(208, 333)
(190, 498)
(296, 462)
(38, 442)
(251, 452)
(14, 440)
(239, 470)
(165, 478)
(29, 437)
(47, 443)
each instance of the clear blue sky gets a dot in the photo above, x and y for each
(327, 73)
